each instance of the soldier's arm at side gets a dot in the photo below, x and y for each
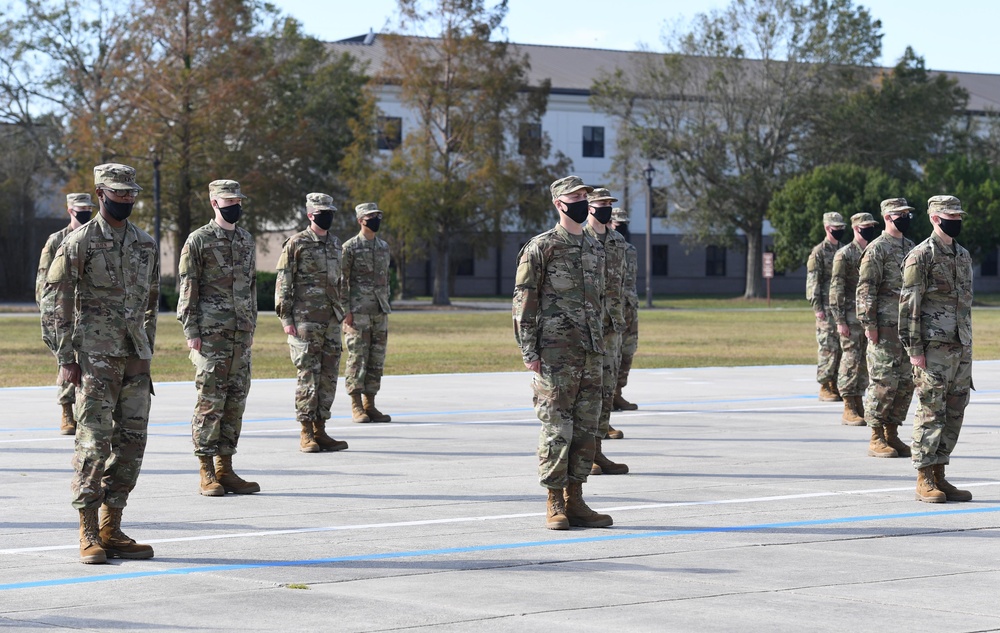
(284, 288)
(869, 280)
(188, 311)
(44, 262)
(347, 265)
(530, 270)
(838, 298)
(153, 303)
(63, 276)
(814, 285)
(910, 298)
(253, 288)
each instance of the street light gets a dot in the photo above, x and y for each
(648, 172)
(156, 210)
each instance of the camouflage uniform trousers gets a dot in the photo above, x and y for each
(611, 363)
(112, 412)
(366, 341)
(828, 339)
(852, 376)
(942, 395)
(890, 386)
(567, 398)
(316, 354)
(222, 378)
(629, 345)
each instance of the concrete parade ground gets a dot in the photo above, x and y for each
(749, 507)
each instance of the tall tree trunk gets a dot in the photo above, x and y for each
(442, 264)
(754, 282)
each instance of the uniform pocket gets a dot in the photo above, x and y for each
(98, 271)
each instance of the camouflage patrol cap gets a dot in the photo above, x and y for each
(225, 189)
(944, 204)
(619, 215)
(366, 208)
(862, 219)
(599, 195)
(115, 176)
(895, 205)
(319, 202)
(78, 200)
(833, 219)
(567, 185)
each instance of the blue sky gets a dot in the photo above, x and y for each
(955, 35)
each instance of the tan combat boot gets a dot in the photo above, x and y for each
(116, 543)
(892, 439)
(555, 514)
(606, 466)
(877, 446)
(951, 493)
(374, 414)
(927, 489)
(613, 434)
(326, 442)
(210, 486)
(307, 438)
(621, 404)
(828, 392)
(854, 412)
(68, 424)
(231, 482)
(358, 409)
(579, 513)
(91, 551)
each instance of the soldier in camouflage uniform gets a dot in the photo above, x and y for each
(613, 320)
(852, 378)
(891, 378)
(630, 337)
(307, 299)
(366, 291)
(935, 328)
(79, 207)
(105, 285)
(819, 269)
(558, 314)
(217, 308)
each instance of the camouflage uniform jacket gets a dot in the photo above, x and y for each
(104, 300)
(844, 283)
(308, 288)
(218, 271)
(819, 269)
(558, 293)
(614, 278)
(880, 278)
(366, 275)
(935, 303)
(631, 273)
(42, 298)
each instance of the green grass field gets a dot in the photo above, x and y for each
(689, 333)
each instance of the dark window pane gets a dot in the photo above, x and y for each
(529, 138)
(659, 260)
(715, 261)
(593, 141)
(390, 132)
(989, 268)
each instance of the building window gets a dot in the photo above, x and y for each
(390, 132)
(715, 261)
(463, 260)
(659, 202)
(989, 267)
(593, 142)
(529, 138)
(659, 260)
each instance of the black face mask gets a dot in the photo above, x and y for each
(902, 223)
(577, 211)
(867, 233)
(951, 228)
(837, 233)
(118, 210)
(623, 230)
(82, 216)
(232, 213)
(373, 224)
(602, 214)
(323, 220)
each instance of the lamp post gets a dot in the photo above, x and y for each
(648, 173)
(156, 212)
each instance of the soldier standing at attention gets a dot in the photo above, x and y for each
(613, 320)
(558, 314)
(891, 376)
(819, 270)
(105, 283)
(630, 337)
(366, 292)
(79, 207)
(218, 311)
(308, 302)
(935, 327)
(852, 378)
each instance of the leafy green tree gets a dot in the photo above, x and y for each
(796, 210)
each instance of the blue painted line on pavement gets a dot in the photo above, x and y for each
(56, 582)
